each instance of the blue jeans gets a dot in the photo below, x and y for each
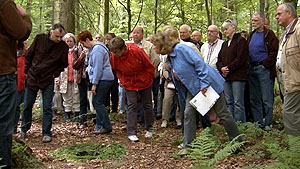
(102, 119)
(122, 98)
(234, 94)
(155, 88)
(261, 89)
(29, 100)
(83, 89)
(8, 96)
(20, 99)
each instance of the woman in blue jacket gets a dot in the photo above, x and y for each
(191, 75)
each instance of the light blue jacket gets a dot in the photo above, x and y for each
(193, 72)
(99, 66)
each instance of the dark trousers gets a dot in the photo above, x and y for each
(133, 99)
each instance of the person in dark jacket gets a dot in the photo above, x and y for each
(45, 59)
(263, 48)
(232, 64)
(15, 25)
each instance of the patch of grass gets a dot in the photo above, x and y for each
(116, 116)
(23, 157)
(177, 141)
(89, 151)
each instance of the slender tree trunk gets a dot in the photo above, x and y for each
(208, 12)
(56, 11)
(155, 16)
(129, 17)
(41, 16)
(106, 16)
(67, 17)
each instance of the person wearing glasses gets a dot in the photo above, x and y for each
(263, 48)
(288, 59)
(197, 36)
(99, 37)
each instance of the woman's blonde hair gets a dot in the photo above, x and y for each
(166, 40)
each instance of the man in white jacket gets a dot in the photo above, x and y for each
(210, 49)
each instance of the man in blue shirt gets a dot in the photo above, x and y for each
(263, 49)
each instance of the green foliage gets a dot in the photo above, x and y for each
(116, 116)
(89, 151)
(285, 151)
(229, 148)
(176, 141)
(208, 149)
(23, 157)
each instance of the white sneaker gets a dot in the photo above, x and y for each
(148, 134)
(164, 123)
(180, 146)
(133, 138)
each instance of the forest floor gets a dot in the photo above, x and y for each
(155, 153)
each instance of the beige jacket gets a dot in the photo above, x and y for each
(290, 59)
(154, 57)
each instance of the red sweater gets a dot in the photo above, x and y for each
(134, 68)
(20, 69)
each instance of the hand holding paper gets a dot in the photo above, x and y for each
(203, 103)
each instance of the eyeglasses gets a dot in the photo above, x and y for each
(211, 31)
(98, 37)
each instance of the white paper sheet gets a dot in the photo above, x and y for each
(204, 103)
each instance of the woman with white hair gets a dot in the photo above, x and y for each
(67, 81)
(233, 66)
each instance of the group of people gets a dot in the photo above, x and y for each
(171, 67)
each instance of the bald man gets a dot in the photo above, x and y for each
(185, 33)
(197, 36)
(138, 39)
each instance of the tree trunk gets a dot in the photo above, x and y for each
(262, 6)
(67, 17)
(155, 16)
(208, 12)
(106, 16)
(55, 11)
(129, 18)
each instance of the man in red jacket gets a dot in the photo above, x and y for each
(135, 72)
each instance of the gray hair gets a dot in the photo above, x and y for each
(290, 7)
(260, 14)
(69, 35)
(187, 26)
(229, 23)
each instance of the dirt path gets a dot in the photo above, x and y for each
(155, 153)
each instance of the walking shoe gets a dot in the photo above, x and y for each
(164, 123)
(148, 134)
(180, 146)
(133, 138)
(105, 131)
(179, 124)
(46, 139)
(81, 126)
(158, 116)
(21, 135)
